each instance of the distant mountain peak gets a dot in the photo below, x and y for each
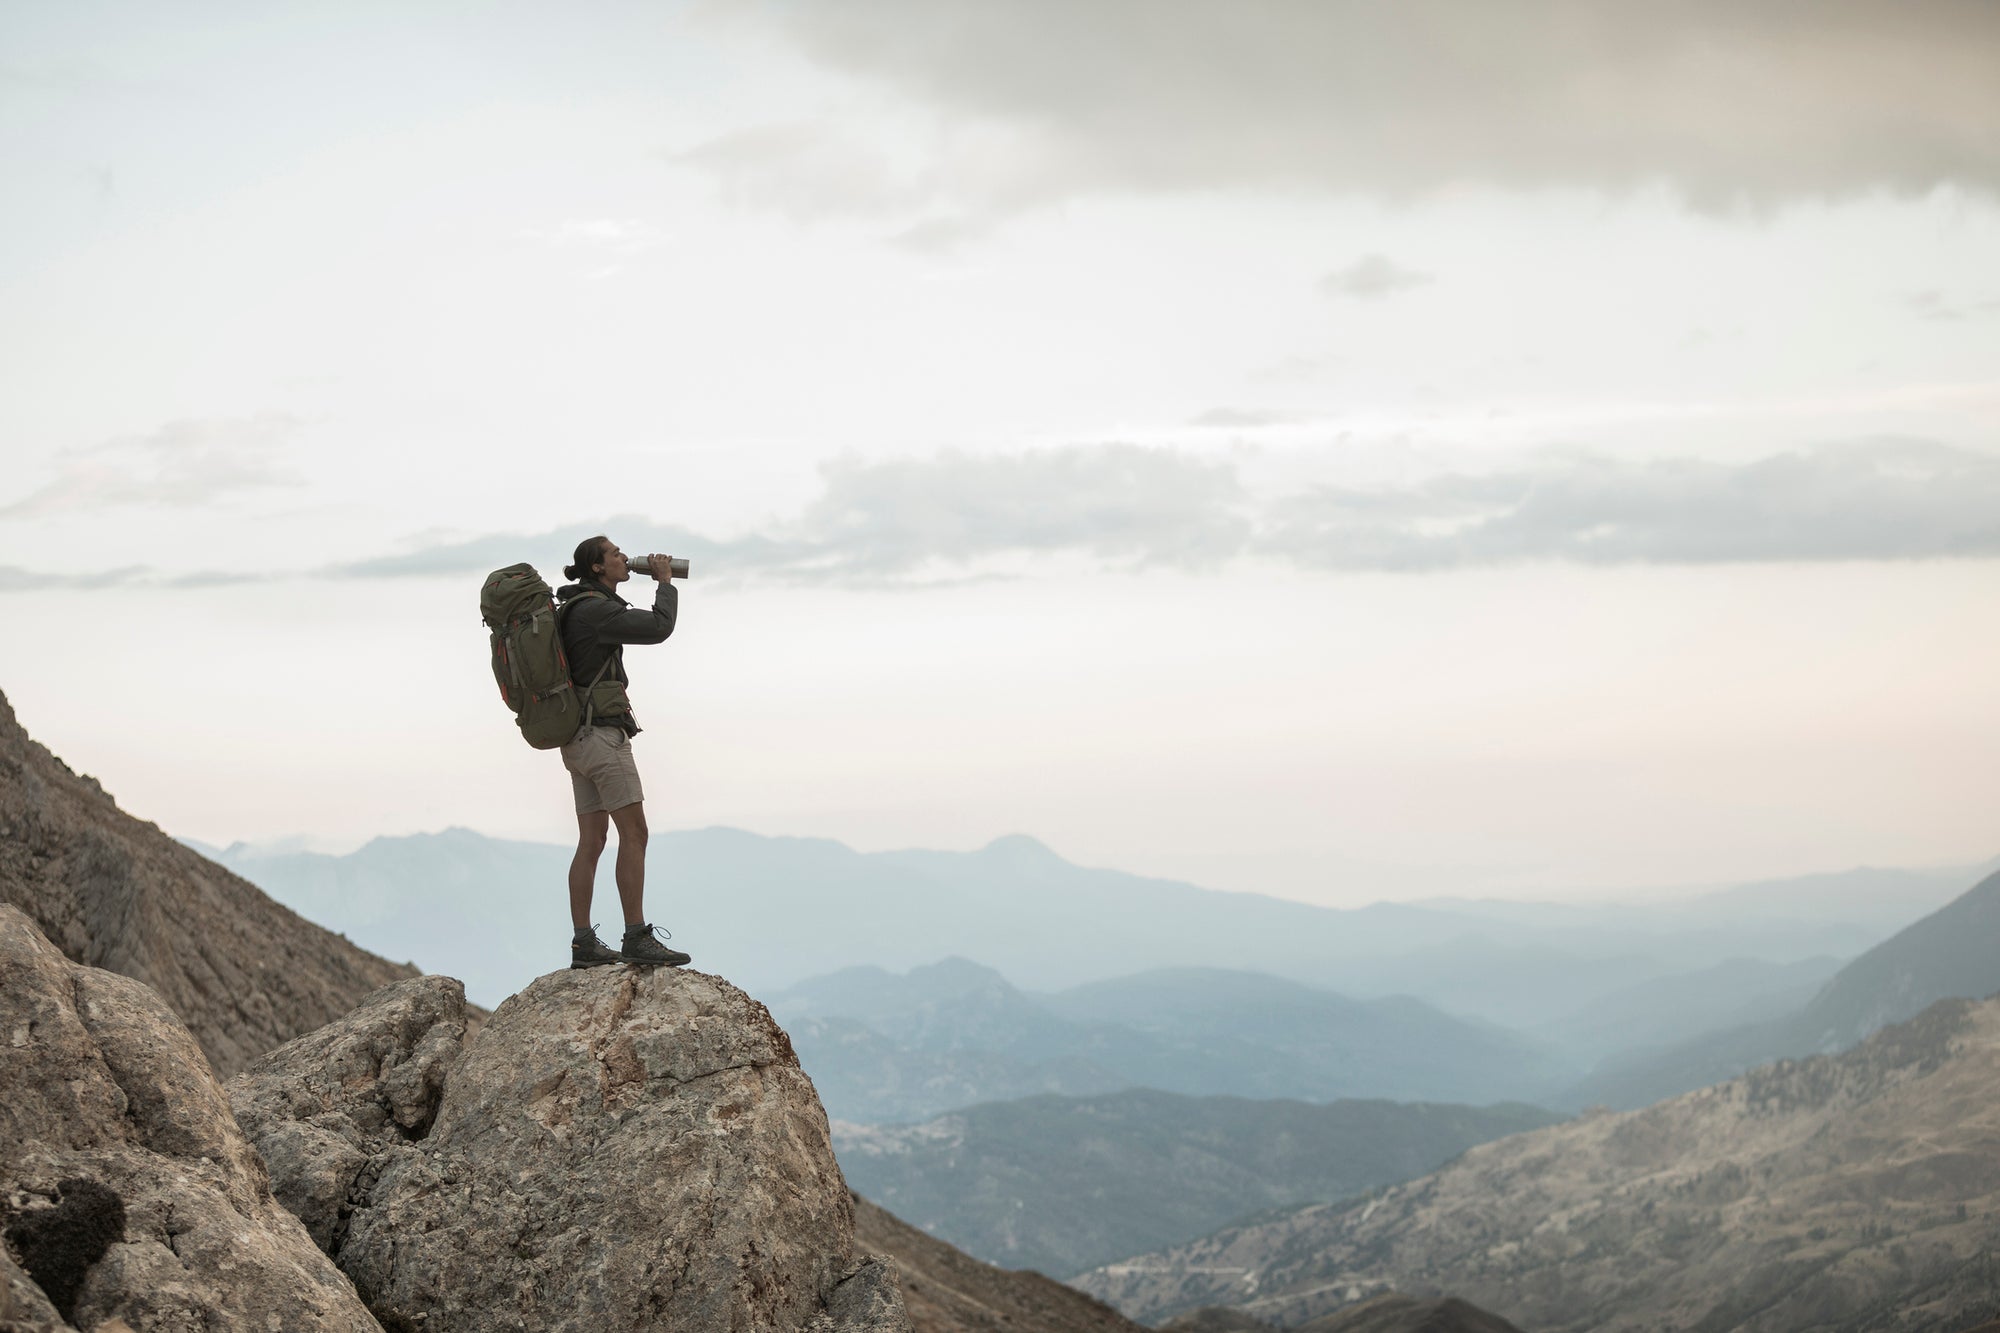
(956, 968)
(1018, 849)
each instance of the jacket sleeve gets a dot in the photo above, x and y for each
(633, 625)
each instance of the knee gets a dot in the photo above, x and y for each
(634, 836)
(590, 845)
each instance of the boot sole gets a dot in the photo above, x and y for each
(659, 962)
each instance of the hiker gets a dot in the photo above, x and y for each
(596, 625)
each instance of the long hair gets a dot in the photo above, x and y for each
(589, 554)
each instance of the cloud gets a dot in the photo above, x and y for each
(925, 520)
(954, 518)
(1371, 278)
(183, 464)
(1730, 102)
(1124, 503)
(1883, 499)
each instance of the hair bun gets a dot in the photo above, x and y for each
(569, 571)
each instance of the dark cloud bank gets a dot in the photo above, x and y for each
(1730, 102)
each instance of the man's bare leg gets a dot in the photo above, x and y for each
(630, 868)
(590, 834)
(641, 943)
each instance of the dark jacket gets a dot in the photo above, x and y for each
(600, 627)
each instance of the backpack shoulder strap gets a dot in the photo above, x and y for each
(615, 652)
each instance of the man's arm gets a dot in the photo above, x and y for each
(633, 625)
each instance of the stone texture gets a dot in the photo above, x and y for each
(114, 892)
(322, 1107)
(616, 1149)
(102, 1082)
(868, 1300)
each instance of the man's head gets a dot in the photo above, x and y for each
(599, 558)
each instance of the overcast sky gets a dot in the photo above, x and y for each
(1339, 450)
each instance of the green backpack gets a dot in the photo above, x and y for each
(528, 658)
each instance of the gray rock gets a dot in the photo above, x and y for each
(101, 1081)
(321, 1108)
(616, 1149)
(869, 1299)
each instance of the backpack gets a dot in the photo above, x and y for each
(528, 659)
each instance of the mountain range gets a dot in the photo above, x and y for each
(774, 912)
(1859, 1192)
(1062, 1184)
(1953, 952)
(883, 1046)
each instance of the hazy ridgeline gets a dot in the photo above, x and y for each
(1446, 1000)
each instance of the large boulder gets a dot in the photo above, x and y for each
(617, 1149)
(113, 1128)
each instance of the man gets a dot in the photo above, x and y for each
(596, 625)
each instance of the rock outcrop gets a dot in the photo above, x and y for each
(113, 1128)
(326, 1109)
(616, 1149)
(1859, 1191)
(115, 892)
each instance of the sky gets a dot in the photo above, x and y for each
(1333, 450)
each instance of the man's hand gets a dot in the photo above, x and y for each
(662, 567)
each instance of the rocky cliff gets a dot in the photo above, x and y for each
(1859, 1192)
(116, 893)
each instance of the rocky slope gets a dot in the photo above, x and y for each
(115, 892)
(131, 1193)
(946, 1291)
(616, 1149)
(1062, 1184)
(1859, 1191)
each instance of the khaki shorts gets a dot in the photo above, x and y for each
(601, 771)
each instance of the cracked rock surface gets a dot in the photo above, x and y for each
(100, 1081)
(322, 1108)
(617, 1149)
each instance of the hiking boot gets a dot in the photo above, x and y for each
(642, 945)
(586, 950)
